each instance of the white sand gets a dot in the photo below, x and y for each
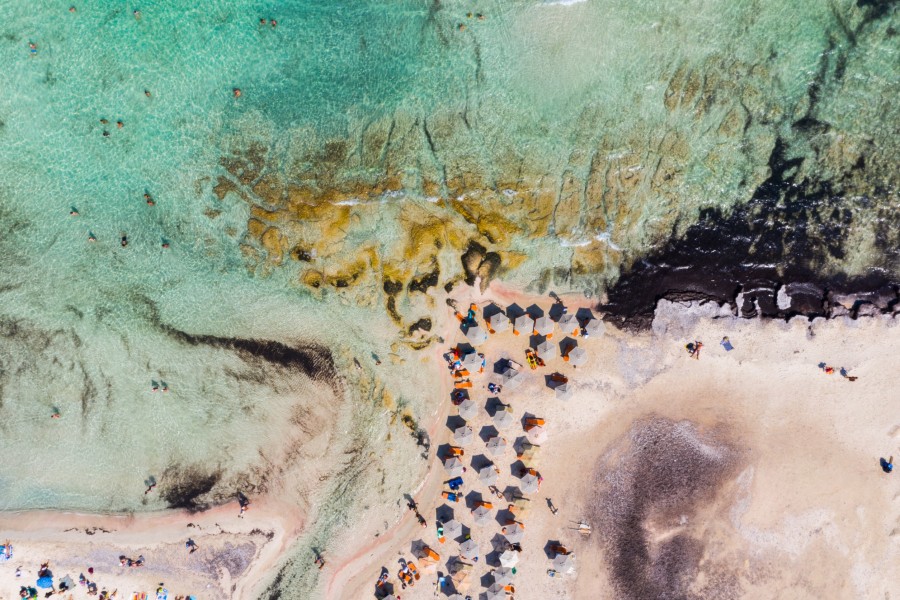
(806, 512)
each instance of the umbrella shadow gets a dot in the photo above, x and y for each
(535, 311)
(417, 548)
(504, 517)
(535, 340)
(566, 345)
(557, 310)
(454, 422)
(472, 498)
(519, 445)
(549, 548)
(444, 513)
(500, 366)
(490, 310)
(584, 314)
(487, 432)
(518, 469)
(486, 580)
(458, 396)
(549, 381)
(527, 415)
(493, 406)
(514, 311)
(443, 451)
(465, 347)
(480, 461)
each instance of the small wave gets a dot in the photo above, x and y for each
(349, 202)
(605, 237)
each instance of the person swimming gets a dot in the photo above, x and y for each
(149, 199)
(124, 240)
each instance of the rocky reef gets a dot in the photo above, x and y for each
(757, 176)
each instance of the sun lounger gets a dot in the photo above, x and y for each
(461, 385)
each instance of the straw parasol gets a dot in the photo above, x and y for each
(503, 419)
(523, 324)
(488, 475)
(530, 483)
(509, 558)
(496, 445)
(482, 515)
(452, 528)
(468, 409)
(544, 326)
(564, 563)
(499, 322)
(563, 392)
(469, 549)
(514, 533)
(593, 327)
(547, 350)
(476, 335)
(568, 324)
(454, 467)
(463, 436)
(503, 575)
(472, 361)
(577, 356)
(513, 378)
(536, 435)
(496, 592)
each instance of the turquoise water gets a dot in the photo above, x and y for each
(634, 115)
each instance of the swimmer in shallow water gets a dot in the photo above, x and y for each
(149, 199)
(124, 241)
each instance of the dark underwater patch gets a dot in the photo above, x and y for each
(185, 487)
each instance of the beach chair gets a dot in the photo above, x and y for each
(559, 549)
(413, 570)
(455, 451)
(429, 555)
(451, 496)
(533, 422)
(558, 378)
(479, 503)
(463, 385)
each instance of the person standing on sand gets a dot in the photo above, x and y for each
(887, 465)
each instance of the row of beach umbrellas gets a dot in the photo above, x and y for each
(568, 325)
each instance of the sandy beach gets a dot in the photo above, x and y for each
(743, 474)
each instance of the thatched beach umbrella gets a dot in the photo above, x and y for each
(476, 335)
(512, 378)
(564, 563)
(468, 409)
(544, 326)
(514, 533)
(523, 324)
(452, 528)
(527, 450)
(509, 558)
(468, 549)
(503, 419)
(563, 392)
(499, 322)
(496, 592)
(488, 475)
(496, 445)
(454, 467)
(593, 327)
(577, 356)
(547, 350)
(463, 436)
(536, 435)
(481, 515)
(568, 324)
(472, 361)
(530, 483)
(503, 575)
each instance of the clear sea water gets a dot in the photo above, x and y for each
(84, 325)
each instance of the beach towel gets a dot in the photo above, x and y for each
(726, 344)
(162, 595)
(5, 552)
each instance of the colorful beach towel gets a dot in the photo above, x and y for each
(5, 552)
(162, 594)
